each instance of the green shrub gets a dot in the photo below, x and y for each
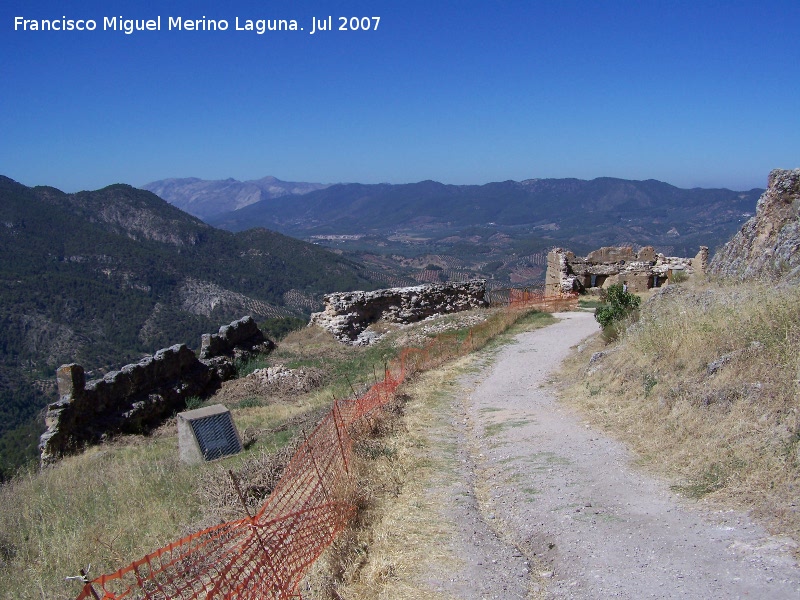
(648, 383)
(619, 304)
(278, 328)
(678, 277)
(193, 402)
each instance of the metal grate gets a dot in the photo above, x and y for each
(216, 436)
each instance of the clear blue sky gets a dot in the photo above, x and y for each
(692, 93)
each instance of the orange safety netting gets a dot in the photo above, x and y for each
(535, 297)
(266, 556)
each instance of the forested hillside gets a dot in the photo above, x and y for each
(101, 278)
(603, 211)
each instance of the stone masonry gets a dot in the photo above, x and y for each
(140, 395)
(640, 270)
(347, 315)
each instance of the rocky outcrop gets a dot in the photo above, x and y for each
(140, 395)
(640, 271)
(768, 245)
(347, 315)
(281, 379)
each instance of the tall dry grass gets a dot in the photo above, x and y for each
(119, 501)
(403, 535)
(706, 388)
(116, 502)
(105, 507)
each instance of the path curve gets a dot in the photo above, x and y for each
(550, 489)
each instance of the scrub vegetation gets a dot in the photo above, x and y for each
(705, 386)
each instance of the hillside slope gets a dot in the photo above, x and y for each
(103, 277)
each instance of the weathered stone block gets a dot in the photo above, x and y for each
(611, 254)
(71, 380)
(700, 262)
(646, 254)
(637, 282)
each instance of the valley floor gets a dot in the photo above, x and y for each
(518, 497)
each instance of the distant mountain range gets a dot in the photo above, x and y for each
(104, 277)
(204, 199)
(592, 213)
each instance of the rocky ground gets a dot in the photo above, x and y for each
(547, 507)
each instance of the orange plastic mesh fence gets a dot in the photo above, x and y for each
(267, 556)
(535, 297)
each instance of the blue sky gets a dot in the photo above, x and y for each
(692, 93)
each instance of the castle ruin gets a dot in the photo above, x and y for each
(639, 271)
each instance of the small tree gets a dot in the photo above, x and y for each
(619, 304)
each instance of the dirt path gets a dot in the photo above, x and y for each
(545, 506)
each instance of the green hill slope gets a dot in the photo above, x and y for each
(103, 277)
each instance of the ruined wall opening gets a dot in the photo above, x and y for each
(640, 271)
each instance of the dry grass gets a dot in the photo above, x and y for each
(402, 532)
(403, 537)
(706, 388)
(119, 501)
(106, 507)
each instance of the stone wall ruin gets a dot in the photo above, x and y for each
(640, 271)
(140, 395)
(348, 314)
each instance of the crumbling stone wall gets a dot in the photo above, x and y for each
(347, 315)
(607, 266)
(140, 395)
(238, 340)
(233, 340)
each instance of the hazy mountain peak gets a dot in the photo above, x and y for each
(205, 198)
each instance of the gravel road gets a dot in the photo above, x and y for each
(547, 507)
